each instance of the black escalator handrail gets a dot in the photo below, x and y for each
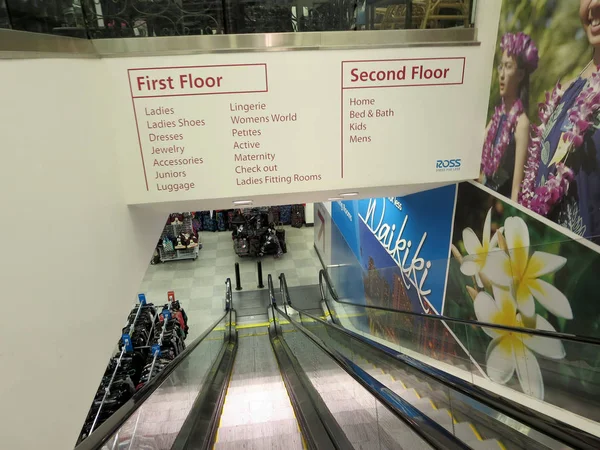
(285, 293)
(324, 276)
(228, 295)
(95, 440)
(283, 287)
(545, 424)
(271, 289)
(429, 430)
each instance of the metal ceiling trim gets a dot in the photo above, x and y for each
(25, 45)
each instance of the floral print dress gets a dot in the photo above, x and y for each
(579, 210)
(501, 180)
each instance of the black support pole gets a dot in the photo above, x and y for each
(260, 277)
(238, 282)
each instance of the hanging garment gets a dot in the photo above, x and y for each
(230, 218)
(285, 214)
(281, 238)
(196, 222)
(274, 215)
(221, 220)
(208, 222)
(297, 216)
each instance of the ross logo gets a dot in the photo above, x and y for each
(443, 165)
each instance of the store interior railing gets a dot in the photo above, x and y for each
(98, 19)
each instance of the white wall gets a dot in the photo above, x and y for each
(73, 254)
(309, 213)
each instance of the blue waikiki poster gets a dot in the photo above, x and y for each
(404, 249)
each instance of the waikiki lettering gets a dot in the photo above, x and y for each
(417, 270)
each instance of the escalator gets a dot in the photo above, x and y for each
(478, 417)
(261, 382)
(294, 378)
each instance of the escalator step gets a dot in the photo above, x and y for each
(397, 386)
(488, 444)
(272, 442)
(425, 405)
(410, 395)
(466, 432)
(442, 417)
(383, 378)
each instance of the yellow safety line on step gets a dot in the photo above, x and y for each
(454, 421)
(501, 445)
(475, 432)
(252, 325)
(433, 405)
(253, 334)
(417, 394)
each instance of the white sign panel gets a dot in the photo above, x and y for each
(245, 125)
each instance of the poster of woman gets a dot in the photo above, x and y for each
(558, 176)
(507, 135)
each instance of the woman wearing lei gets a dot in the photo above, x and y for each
(507, 134)
(562, 175)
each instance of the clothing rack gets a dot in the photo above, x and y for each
(173, 244)
(145, 348)
(151, 329)
(112, 378)
(156, 351)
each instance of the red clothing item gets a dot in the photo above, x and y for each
(175, 315)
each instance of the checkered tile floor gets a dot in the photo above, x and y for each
(200, 285)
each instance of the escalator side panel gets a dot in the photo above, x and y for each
(434, 399)
(320, 429)
(156, 423)
(364, 420)
(199, 429)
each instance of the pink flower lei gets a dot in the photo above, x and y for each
(543, 198)
(521, 46)
(492, 154)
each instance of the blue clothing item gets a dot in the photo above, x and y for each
(501, 180)
(579, 210)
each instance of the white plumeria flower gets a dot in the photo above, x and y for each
(484, 256)
(524, 272)
(510, 351)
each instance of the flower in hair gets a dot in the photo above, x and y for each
(520, 45)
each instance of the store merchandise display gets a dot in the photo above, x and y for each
(167, 344)
(255, 233)
(223, 219)
(149, 342)
(297, 218)
(218, 220)
(178, 240)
